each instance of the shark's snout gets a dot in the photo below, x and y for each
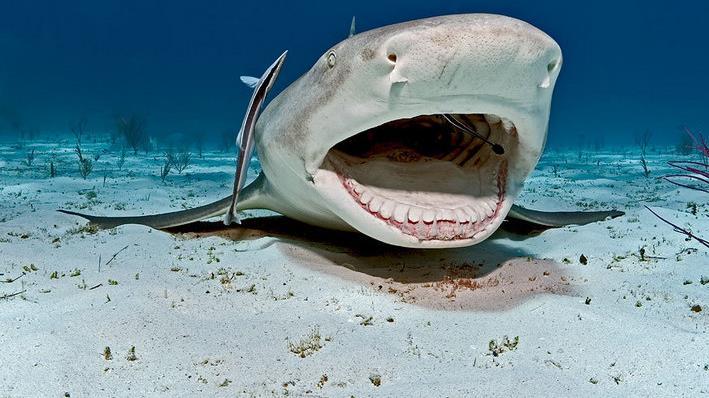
(439, 61)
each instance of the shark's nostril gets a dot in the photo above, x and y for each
(392, 58)
(553, 65)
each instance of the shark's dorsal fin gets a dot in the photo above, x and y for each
(352, 27)
(250, 81)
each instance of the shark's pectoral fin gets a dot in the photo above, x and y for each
(160, 221)
(254, 196)
(551, 219)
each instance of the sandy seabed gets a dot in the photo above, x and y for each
(276, 308)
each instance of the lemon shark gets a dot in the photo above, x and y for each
(418, 134)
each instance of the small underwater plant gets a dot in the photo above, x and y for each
(86, 165)
(308, 345)
(166, 167)
(581, 141)
(199, 145)
(52, 167)
(131, 354)
(598, 143)
(29, 158)
(78, 130)
(133, 131)
(10, 116)
(685, 145)
(697, 172)
(227, 140)
(180, 161)
(555, 170)
(643, 140)
(694, 175)
(121, 158)
(376, 379)
(505, 345)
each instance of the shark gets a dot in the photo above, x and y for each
(419, 134)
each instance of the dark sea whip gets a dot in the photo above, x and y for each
(692, 172)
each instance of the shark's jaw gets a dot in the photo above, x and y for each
(423, 182)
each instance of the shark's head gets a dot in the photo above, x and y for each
(391, 131)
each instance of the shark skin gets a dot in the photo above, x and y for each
(418, 134)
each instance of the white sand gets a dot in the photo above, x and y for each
(213, 314)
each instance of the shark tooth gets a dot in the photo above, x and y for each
(415, 214)
(387, 209)
(486, 208)
(375, 204)
(428, 215)
(507, 125)
(400, 212)
(445, 215)
(492, 119)
(462, 216)
(472, 214)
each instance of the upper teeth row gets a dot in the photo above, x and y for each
(387, 208)
(494, 119)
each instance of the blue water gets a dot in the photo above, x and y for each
(629, 66)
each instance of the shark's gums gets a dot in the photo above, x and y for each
(419, 134)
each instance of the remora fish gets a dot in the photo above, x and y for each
(245, 141)
(419, 134)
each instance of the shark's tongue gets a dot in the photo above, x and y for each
(423, 182)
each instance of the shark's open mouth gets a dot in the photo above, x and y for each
(433, 177)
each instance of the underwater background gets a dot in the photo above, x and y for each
(274, 307)
(629, 66)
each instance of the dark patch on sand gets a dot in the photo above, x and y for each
(485, 277)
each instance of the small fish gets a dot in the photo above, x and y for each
(245, 139)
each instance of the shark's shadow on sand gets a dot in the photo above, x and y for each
(489, 276)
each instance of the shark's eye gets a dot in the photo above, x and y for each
(331, 59)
